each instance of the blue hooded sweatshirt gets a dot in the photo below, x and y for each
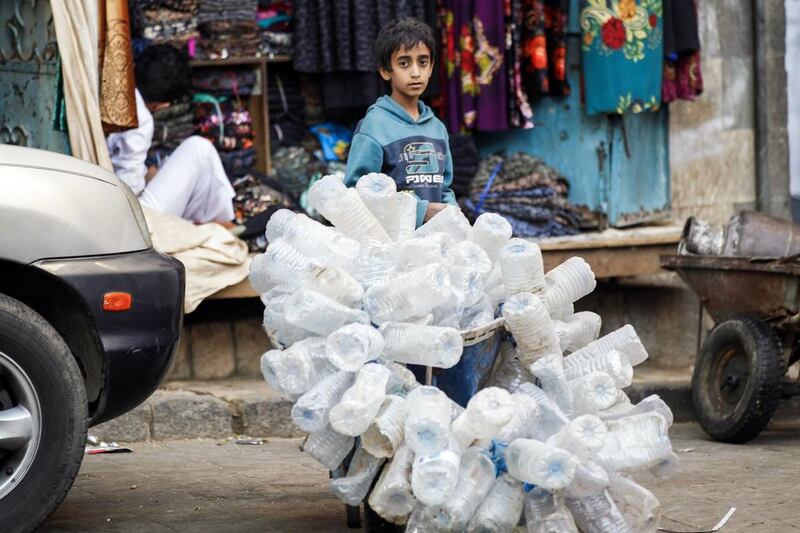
(415, 154)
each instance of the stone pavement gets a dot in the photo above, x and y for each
(209, 486)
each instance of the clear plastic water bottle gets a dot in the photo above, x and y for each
(277, 224)
(568, 282)
(475, 479)
(501, 510)
(597, 514)
(667, 468)
(581, 329)
(637, 442)
(422, 345)
(449, 220)
(328, 447)
(550, 371)
(494, 287)
(468, 282)
(310, 412)
(422, 251)
(378, 193)
(259, 276)
(590, 479)
(376, 264)
(353, 488)
(491, 232)
(316, 312)
(623, 339)
(361, 402)
(352, 346)
(411, 294)
(638, 506)
(277, 327)
(434, 476)
(470, 254)
(335, 283)
(402, 381)
(528, 321)
(564, 314)
(286, 265)
(427, 423)
(391, 497)
(533, 461)
(487, 412)
(551, 418)
(508, 373)
(522, 266)
(387, 430)
(593, 392)
(526, 415)
(583, 437)
(449, 312)
(298, 368)
(345, 209)
(406, 206)
(546, 512)
(478, 314)
(651, 404)
(613, 363)
(321, 243)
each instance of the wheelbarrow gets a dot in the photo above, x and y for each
(460, 383)
(739, 374)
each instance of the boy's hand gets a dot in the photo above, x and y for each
(433, 208)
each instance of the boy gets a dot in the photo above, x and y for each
(400, 136)
(192, 184)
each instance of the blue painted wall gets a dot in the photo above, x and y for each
(627, 186)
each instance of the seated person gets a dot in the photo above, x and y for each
(192, 183)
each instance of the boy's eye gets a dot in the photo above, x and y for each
(402, 64)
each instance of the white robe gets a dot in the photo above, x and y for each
(192, 184)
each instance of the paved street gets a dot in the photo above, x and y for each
(201, 486)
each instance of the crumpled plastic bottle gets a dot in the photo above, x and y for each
(328, 447)
(434, 476)
(411, 294)
(502, 508)
(298, 368)
(353, 488)
(310, 412)
(522, 267)
(638, 506)
(487, 412)
(568, 282)
(361, 402)
(636, 442)
(449, 220)
(336, 284)
(528, 321)
(422, 345)
(386, 431)
(491, 232)
(533, 461)
(546, 512)
(623, 339)
(392, 497)
(352, 346)
(427, 423)
(315, 312)
(581, 329)
(597, 514)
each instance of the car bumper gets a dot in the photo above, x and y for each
(140, 343)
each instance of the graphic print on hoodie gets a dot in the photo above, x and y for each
(415, 154)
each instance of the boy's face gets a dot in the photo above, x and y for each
(411, 70)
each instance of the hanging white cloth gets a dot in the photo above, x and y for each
(76, 25)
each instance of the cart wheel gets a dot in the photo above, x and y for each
(737, 378)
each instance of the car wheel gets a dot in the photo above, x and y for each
(43, 417)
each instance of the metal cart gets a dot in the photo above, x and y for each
(739, 374)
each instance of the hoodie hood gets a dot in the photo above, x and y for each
(389, 105)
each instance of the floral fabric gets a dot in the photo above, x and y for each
(622, 55)
(544, 47)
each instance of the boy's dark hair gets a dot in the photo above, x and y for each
(404, 32)
(163, 74)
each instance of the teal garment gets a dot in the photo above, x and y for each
(622, 55)
(416, 154)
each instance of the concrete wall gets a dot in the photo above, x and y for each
(712, 140)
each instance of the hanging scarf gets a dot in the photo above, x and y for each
(117, 84)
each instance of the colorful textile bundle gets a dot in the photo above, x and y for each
(169, 21)
(275, 24)
(228, 28)
(532, 196)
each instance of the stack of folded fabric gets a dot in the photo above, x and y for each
(168, 21)
(275, 26)
(529, 194)
(171, 126)
(253, 205)
(224, 81)
(228, 28)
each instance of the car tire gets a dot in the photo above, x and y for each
(38, 370)
(737, 377)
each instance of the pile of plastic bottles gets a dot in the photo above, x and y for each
(551, 444)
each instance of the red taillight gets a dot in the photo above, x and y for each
(117, 301)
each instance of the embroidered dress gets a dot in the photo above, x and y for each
(544, 47)
(622, 55)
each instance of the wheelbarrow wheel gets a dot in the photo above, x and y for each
(737, 378)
